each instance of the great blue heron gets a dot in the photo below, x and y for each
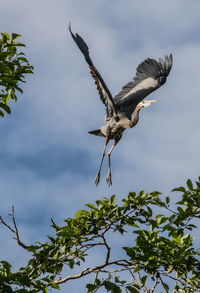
(150, 75)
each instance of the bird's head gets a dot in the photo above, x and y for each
(146, 103)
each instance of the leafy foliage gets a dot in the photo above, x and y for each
(161, 252)
(13, 67)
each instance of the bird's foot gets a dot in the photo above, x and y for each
(109, 179)
(97, 179)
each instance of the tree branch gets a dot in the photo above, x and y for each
(89, 271)
(108, 249)
(15, 229)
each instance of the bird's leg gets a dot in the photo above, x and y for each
(97, 178)
(109, 177)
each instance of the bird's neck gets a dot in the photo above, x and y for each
(135, 116)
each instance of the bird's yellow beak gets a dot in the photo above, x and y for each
(153, 101)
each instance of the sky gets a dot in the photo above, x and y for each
(48, 159)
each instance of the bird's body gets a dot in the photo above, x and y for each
(150, 75)
(115, 126)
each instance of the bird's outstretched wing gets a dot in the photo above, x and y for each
(104, 92)
(150, 75)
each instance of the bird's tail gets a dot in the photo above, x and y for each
(96, 132)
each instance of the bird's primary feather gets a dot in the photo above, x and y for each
(150, 75)
(102, 88)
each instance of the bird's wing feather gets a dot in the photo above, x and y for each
(103, 90)
(150, 75)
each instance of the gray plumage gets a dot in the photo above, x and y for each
(150, 75)
(150, 68)
(102, 88)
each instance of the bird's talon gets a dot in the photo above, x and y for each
(97, 178)
(109, 179)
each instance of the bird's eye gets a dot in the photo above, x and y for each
(161, 80)
(116, 118)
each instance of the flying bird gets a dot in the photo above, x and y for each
(122, 111)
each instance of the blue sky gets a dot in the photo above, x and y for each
(48, 159)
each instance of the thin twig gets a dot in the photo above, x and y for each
(5, 224)
(144, 287)
(52, 221)
(108, 249)
(116, 270)
(163, 283)
(15, 230)
(155, 285)
(173, 278)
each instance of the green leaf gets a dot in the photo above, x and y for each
(22, 59)
(5, 107)
(15, 36)
(81, 213)
(111, 287)
(167, 199)
(136, 286)
(177, 240)
(6, 265)
(97, 281)
(166, 287)
(143, 280)
(55, 286)
(19, 89)
(71, 263)
(191, 226)
(29, 71)
(130, 252)
(137, 269)
(190, 185)
(149, 211)
(117, 279)
(6, 35)
(91, 206)
(180, 210)
(91, 287)
(181, 189)
(1, 113)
